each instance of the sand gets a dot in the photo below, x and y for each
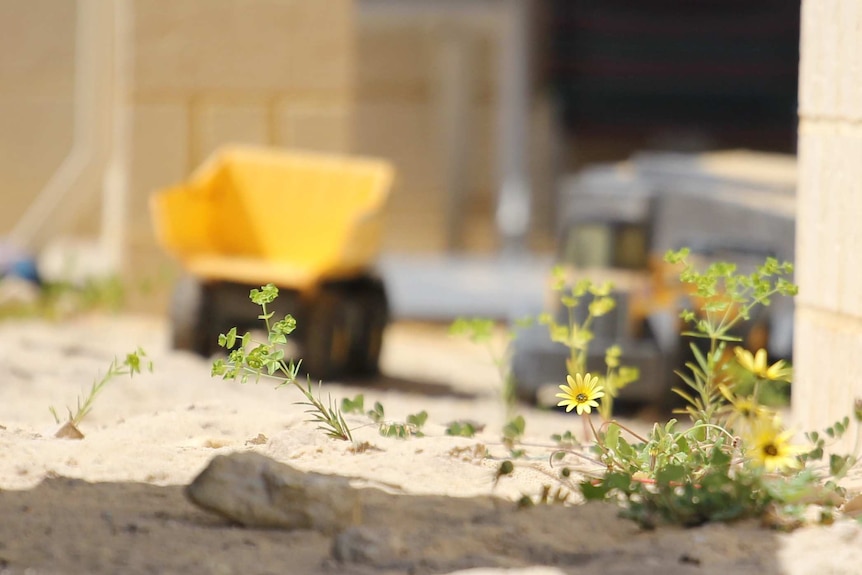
(113, 502)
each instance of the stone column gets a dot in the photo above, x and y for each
(828, 325)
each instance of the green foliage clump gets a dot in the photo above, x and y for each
(734, 459)
(253, 358)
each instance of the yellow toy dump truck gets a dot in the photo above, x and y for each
(309, 223)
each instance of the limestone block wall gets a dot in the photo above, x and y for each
(36, 92)
(399, 114)
(192, 75)
(828, 328)
(314, 74)
(210, 72)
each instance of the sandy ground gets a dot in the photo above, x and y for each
(113, 502)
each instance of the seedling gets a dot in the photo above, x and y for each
(130, 366)
(249, 357)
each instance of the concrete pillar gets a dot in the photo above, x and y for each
(828, 325)
(513, 203)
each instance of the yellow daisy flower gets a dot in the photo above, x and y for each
(743, 412)
(769, 445)
(581, 393)
(756, 364)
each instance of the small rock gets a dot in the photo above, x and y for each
(371, 546)
(69, 431)
(257, 491)
(261, 439)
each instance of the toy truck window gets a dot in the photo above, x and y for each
(606, 244)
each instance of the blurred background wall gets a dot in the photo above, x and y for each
(828, 324)
(158, 86)
(428, 96)
(427, 84)
(106, 100)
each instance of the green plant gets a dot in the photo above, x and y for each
(481, 331)
(577, 334)
(249, 357)
(735, 459)
(463, 428)
(130, 366)
(412, 427)
(513, 431)
(727, 299)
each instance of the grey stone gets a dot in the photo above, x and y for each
(367, 545)
(257, 491)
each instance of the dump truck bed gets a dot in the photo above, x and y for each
(257, 215)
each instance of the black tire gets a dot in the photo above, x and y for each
(190, 317)
(344, 330)
(372, 315)
(327, 340)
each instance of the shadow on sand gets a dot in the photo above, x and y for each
(70, 526)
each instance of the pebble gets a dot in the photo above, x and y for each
(257, 491)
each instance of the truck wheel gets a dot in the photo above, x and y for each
(328, 339)
(190, 317)
(371, 317)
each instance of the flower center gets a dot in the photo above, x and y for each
(581, 398)
(770, 450)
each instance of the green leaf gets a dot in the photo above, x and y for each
(355, 405)
(625, 449)
(838, 464)
(461, 429)
(514, 428)
(698, 355)
(683, 394)
(675, 257)
(594, 492)
(285, 326)
(670, 474)
(716, 306)
(478, 330)
(612, 436)
(376, 413)
(688, 381)
(619, 481)
(601, 306)
(230, 339)
(266, 294)
(133, 362)
(558, 273)
(418, 419)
